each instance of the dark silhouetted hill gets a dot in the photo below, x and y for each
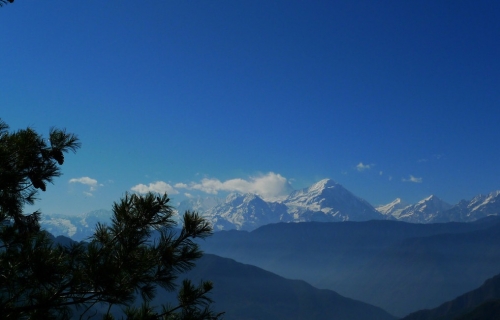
(481, 303)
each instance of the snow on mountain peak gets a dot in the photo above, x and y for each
(431, 198)
(327, 200)
(425, 210)
(323, 184)
(481, 201)
(392, 208)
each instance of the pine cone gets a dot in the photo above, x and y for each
(58, 156)
(37, 183)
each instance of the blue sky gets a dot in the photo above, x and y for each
(389, 98)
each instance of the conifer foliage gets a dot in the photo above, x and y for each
(119, 267)
(4, 2)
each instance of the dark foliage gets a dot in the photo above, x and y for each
(4, 2)
(119, 265)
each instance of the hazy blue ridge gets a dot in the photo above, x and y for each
(400, 267)
(244, 291)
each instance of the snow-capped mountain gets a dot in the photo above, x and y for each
(198, 204)
(424, 211)
(77, 227)
(432, 209)
(245, 212)
(479, 207)
(327, 200)
(392, 209)
(324, 201)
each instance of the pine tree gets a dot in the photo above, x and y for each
(4, 2)
(121, 263)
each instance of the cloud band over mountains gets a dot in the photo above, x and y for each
(91, 183)
(270, 186)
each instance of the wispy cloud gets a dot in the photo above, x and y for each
(412, 179)
(91, 183)
(157, 187)
(181, 186)
(270, 186)
(362, 167)
(432, 158)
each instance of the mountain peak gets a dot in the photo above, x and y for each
(323, 184)
(435, 201)
(327, 200)
(426, 210)
(392, 208)
(430, 198)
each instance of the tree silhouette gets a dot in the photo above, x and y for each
(4, 2)
(120, 264)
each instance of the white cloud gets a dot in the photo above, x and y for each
(413, 179)
(92, 183)
(84, 180)
(381, 173)
(157, 187)
(270, 186)
(362, 167)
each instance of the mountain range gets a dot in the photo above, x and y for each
(324, 201)
(328, 201)
(340, 242)
(76, 227)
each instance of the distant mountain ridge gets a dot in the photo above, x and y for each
(329, 201)
(324, 201)
(77, 227)
(245, 291)
(424, 211)
(393, 208)
(398, 266)
(432, 209)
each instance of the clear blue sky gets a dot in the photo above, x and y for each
(389, 98)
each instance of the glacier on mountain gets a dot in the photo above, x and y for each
(324, 201)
